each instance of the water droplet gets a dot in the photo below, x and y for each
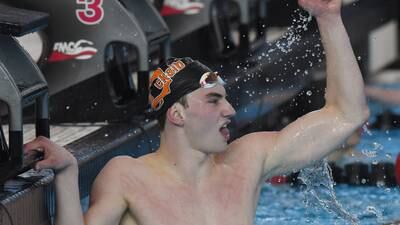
(363, 181)
(380, 184)
(366, 130)
(370, 209)
(377, 146)
(369, 153)
(309, 92)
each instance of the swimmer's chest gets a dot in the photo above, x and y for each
(219, 200)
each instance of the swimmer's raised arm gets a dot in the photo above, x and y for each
(313, 136)
(316, 134)
(107, 205)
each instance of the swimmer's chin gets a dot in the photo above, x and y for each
(223, 148)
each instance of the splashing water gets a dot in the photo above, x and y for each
(318, 179)
(293, 33)
(371, 149)
(318, 191)
(372, 211)
(366, 130)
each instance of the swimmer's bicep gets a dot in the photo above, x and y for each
(99, 214)
(107, 204)
(307, 140)
(104, 211)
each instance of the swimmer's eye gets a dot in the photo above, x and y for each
(213, 101)
(214, 98)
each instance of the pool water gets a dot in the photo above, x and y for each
(281, 205)
(284, 204)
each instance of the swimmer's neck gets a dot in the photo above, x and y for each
(187, 164)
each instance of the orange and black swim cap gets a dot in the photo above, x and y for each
(176, 78)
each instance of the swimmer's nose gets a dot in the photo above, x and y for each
(228, 111)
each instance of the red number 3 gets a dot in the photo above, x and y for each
(93, 12)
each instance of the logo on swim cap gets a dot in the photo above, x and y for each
(175, 78)
(162, 80)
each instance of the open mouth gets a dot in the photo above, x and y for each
(225, 131)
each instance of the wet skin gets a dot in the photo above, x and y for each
(195, 177)
(225, 194)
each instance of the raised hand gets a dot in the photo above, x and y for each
(321, 8)
(55, 156)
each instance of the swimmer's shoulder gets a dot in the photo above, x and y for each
(121, 161)
(250, 146)
(264, 139)
(121, 165)
(119, 170)
(127, 164)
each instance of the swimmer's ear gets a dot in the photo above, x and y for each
(175, 115)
